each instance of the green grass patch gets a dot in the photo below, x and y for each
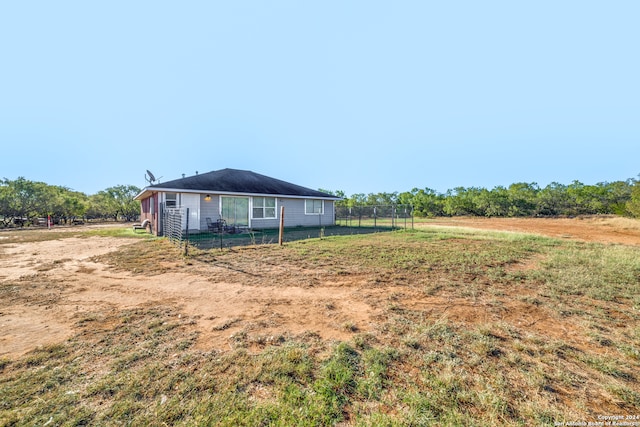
(463, 335)
(56, 233)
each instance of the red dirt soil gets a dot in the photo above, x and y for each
(57, 284)
(602, 229)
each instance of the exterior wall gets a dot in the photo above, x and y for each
(295, 216)
(209, 209)
(294, 212)
(267, 223)
(149, 210)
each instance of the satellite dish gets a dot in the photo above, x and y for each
(150, 178)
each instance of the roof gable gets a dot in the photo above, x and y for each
(238, 181)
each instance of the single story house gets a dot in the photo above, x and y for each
(241, 198)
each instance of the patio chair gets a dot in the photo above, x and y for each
(146, 223)
(215, 227)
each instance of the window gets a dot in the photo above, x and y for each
(171, 200)
(313, 207)
(235, 211)
(264, 207)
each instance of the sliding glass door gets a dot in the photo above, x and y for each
(235, 211)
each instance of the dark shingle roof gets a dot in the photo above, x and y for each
(239, 181)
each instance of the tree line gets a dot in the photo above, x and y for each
(28, 202)
(516, 200)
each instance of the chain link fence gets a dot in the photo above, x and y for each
(349, 220)
(383, 216)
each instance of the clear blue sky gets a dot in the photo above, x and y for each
(359, 96)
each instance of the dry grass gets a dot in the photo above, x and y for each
(27, 235)
(465, 335)
(620, 223)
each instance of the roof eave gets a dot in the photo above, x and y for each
(151, 190)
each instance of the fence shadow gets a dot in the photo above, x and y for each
(207, 240)
(348, 220)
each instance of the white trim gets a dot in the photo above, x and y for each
(313, 213)
(177, 200)
(275, 208)
(220, 197)
(228, 193)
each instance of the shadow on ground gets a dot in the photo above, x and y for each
(208, 240)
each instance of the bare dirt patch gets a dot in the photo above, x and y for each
(51, 286)
(602, 229)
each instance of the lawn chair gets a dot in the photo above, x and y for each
(146, 223)
(215, 227)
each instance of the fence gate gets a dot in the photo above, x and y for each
(172, 224)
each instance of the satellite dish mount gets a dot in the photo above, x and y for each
(150, 178)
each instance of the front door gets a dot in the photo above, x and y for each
(235, 211)
(191, 202)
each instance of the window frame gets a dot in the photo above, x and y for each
(225, 210)
(313, 212)
(264, 208)
(174, 202)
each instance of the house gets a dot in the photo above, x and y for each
(242, 198)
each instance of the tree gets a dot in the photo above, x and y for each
(633, 205)
(382, 199)
(617, 194)
(425, 202)
(463, 201)
(552, 200)
(358, 199)
(21, 198)
(522, 198)
(116, 202)
(71, 204)
(493, 203)
(5, 204)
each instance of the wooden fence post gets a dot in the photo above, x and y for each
(280, 234)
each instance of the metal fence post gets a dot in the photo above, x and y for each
(375, 218)
(405, 217)
(393, 216)
(412, 217)
(186, 241)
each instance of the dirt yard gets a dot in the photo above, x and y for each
(605, 229)
(62, 283)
